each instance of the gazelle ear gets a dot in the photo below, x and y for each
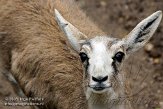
(74, 36)
(141, 34)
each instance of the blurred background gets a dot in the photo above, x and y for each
(117, 18)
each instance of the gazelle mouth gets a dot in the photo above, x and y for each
(99, 87)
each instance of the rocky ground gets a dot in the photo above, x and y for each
(145, 68)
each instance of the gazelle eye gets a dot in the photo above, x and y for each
(119, 56)
(83, 56)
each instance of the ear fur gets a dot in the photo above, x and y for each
(73, 35)
(141, 34)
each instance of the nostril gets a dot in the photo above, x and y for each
(99, 79)
(95, 79)
(105, 78)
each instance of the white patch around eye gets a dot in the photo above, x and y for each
(117, 46)
(86, 49)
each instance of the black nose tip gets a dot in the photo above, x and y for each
(100, 79)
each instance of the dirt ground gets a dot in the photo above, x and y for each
(145, 68)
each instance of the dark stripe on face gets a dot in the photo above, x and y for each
(86, 65)
(115, 67)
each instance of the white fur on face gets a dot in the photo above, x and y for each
(100, 52)
(100, 59)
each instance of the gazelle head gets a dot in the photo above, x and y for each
(102, 56)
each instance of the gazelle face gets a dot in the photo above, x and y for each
(102, 55)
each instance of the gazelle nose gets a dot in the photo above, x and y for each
(99, 79)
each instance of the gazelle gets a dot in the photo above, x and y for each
(102, 57)
(34, 49)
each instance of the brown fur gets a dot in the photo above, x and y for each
(36, 52)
